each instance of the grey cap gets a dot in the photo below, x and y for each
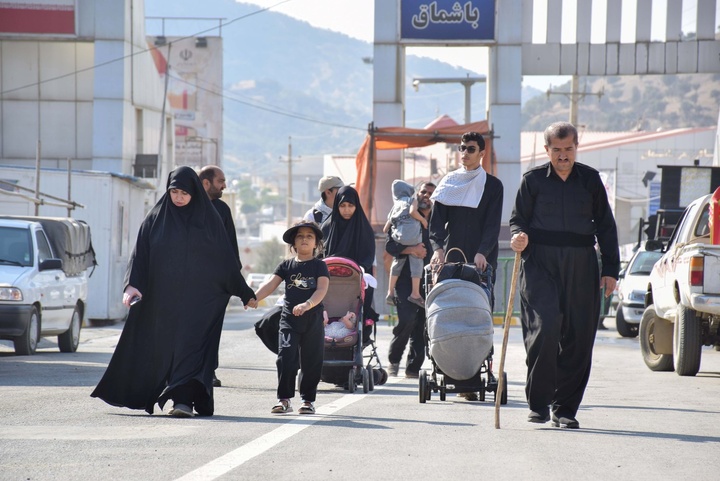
(328, 182)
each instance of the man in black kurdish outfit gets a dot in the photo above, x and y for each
(184, 270)
(212, 179)
(560, 211)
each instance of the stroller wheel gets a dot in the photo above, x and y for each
(371, 379)
(383, 377)
(351, 381)
(365, 380)
(422, 387)
(503, 397)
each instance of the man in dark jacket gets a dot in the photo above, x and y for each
(411, 317)
(561, 210)
(213, 180)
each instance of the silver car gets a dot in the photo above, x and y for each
(631, 291)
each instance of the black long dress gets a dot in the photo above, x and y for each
(185, 268)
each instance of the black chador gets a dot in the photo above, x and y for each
(185, 268)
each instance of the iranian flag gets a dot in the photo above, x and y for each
(37, 16)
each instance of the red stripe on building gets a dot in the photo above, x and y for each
(48, 21)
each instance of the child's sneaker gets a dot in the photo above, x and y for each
(283, 406)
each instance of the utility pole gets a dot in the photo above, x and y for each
(575, 97)
(288, 205)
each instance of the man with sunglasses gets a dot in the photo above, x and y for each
(328, 187)
(467, 209)
(561, 209)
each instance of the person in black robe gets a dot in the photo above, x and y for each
(348, 233)
(184, 270)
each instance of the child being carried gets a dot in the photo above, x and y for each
(407, 224)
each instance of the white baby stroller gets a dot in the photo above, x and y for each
(459, 332)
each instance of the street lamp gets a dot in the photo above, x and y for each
(466, 82)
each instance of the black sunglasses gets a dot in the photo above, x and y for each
(470, 148)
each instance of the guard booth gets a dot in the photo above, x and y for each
(679, 186)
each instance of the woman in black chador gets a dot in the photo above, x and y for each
(348, 233)
(184, 271)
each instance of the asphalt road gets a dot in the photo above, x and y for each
(635, 424)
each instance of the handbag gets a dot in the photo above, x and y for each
(458, 270)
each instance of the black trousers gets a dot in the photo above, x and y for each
(560, 304)
(301, 346)
(410, 327)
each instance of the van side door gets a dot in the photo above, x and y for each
(51, 284)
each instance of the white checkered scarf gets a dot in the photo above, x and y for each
(461, 187)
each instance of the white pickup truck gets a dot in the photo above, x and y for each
(682, 303)
(43, 280)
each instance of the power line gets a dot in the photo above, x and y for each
(270, 108)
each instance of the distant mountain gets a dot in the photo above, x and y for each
(647, 102)
(284, 78)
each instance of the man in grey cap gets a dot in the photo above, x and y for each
(328, 187)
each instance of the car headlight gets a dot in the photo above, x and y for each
(637, 296)
(10, 294)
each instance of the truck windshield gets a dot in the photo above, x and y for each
(15, 247)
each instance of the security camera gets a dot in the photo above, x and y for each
(416, 84)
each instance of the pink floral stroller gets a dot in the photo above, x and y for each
(344, 363)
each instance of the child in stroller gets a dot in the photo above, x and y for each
(340, 328)
(343, 362)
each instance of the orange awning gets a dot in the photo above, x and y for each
(389, 138)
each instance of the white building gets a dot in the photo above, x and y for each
(78, 82)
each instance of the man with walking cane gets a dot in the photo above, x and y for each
(561, 209)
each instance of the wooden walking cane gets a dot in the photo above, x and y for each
(506, 331)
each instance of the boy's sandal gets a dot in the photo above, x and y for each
(307, 408)
(283, 406)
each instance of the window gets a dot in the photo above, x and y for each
(44, 252)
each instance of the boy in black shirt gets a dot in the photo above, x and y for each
(302, 333)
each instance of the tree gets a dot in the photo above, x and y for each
(269, 255)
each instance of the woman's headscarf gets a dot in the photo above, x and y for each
(353, 238)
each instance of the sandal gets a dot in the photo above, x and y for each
(283, 406)
(418, 301)
(307, 408)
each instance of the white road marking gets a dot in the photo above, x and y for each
(226, 463)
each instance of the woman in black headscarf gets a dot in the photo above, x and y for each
(184, 271)
(348, 233)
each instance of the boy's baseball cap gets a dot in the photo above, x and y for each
(328, 182)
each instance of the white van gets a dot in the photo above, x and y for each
(43, 280)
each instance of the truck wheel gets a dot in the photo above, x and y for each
(687, 342)
(648, 326)
(623, 328)
(69, 340)
(26, 344)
